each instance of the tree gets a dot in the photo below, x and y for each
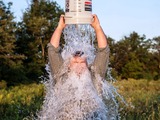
(131, 56)
(34, 32)
(11, 68)
(154, 65)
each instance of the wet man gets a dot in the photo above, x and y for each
(78, 92)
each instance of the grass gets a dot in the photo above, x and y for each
(142, 96)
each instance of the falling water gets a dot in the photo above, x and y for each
(79, 38)
(76, 97)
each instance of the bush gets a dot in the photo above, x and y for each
(142, 97)
(20, 102)
(3, 84)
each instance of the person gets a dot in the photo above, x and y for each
(102, 56)
(78, 92)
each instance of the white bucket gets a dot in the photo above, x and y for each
(78, 11)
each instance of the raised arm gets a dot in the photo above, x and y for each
(55, 58)
(102, 56)
(55, 39)
(101, 38)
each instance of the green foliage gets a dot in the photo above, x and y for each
(133, 69)
(133, 57)
(21, 101)
(3, 84)
(10, 61)
(155, 58)
(142, 97)
(34, 32)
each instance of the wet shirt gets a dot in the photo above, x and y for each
(78, 97)
(100, 63)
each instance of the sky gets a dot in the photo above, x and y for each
(118, 18)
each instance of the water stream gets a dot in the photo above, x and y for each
(75, 97)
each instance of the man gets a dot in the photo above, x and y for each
(101, 60)
(78, 92)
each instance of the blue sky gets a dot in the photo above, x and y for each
(118, 17)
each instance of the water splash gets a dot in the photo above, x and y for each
(79, 38)
(77, 97)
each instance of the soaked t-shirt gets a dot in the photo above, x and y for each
(75, 97)
(100, 63)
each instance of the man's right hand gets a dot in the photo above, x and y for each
(61, 24)
(55, 39)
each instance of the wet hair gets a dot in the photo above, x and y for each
(78, 53)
